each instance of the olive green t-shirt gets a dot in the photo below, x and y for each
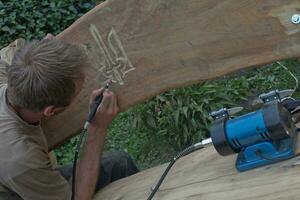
(25, 166)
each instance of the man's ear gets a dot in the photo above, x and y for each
(49, 111)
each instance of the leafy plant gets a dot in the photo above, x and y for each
(33, 19)
(65, 153)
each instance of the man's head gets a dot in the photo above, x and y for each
(45, 74)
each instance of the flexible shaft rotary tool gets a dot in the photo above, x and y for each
(261, 137)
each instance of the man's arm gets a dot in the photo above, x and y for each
(88, 167)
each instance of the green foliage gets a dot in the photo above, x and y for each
(33, 19)
(65, 153)
(148, 150)
(181, 116)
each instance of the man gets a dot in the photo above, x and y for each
(43, 79)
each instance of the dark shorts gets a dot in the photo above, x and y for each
(114, 166)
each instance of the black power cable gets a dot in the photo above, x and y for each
(185, 152)
(198, 146)
(260, 154)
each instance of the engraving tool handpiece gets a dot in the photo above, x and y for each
(95, 106)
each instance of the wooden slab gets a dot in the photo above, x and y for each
(150, 46)
(205, 175)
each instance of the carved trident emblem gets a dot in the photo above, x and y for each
(111, 58)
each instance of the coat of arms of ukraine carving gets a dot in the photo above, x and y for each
(110, 59)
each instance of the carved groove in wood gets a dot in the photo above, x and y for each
(110, 59)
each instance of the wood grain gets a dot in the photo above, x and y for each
(205, 175)
(173, 43)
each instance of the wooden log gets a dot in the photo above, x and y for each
(205, 175)
(150, 46)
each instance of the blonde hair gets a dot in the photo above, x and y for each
(43, 73)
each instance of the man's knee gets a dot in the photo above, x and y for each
(121, 163)
(114, 166)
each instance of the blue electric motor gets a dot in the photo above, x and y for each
(261, 137)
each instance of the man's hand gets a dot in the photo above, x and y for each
(106, 111)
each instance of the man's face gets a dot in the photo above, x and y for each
(78, 87)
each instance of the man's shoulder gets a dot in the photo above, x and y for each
(21, 149)
(26, 169)
(20, 155)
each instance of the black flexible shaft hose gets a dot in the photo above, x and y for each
(75, 161)
(185, 152)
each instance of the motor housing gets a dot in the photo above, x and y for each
(253, 132)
